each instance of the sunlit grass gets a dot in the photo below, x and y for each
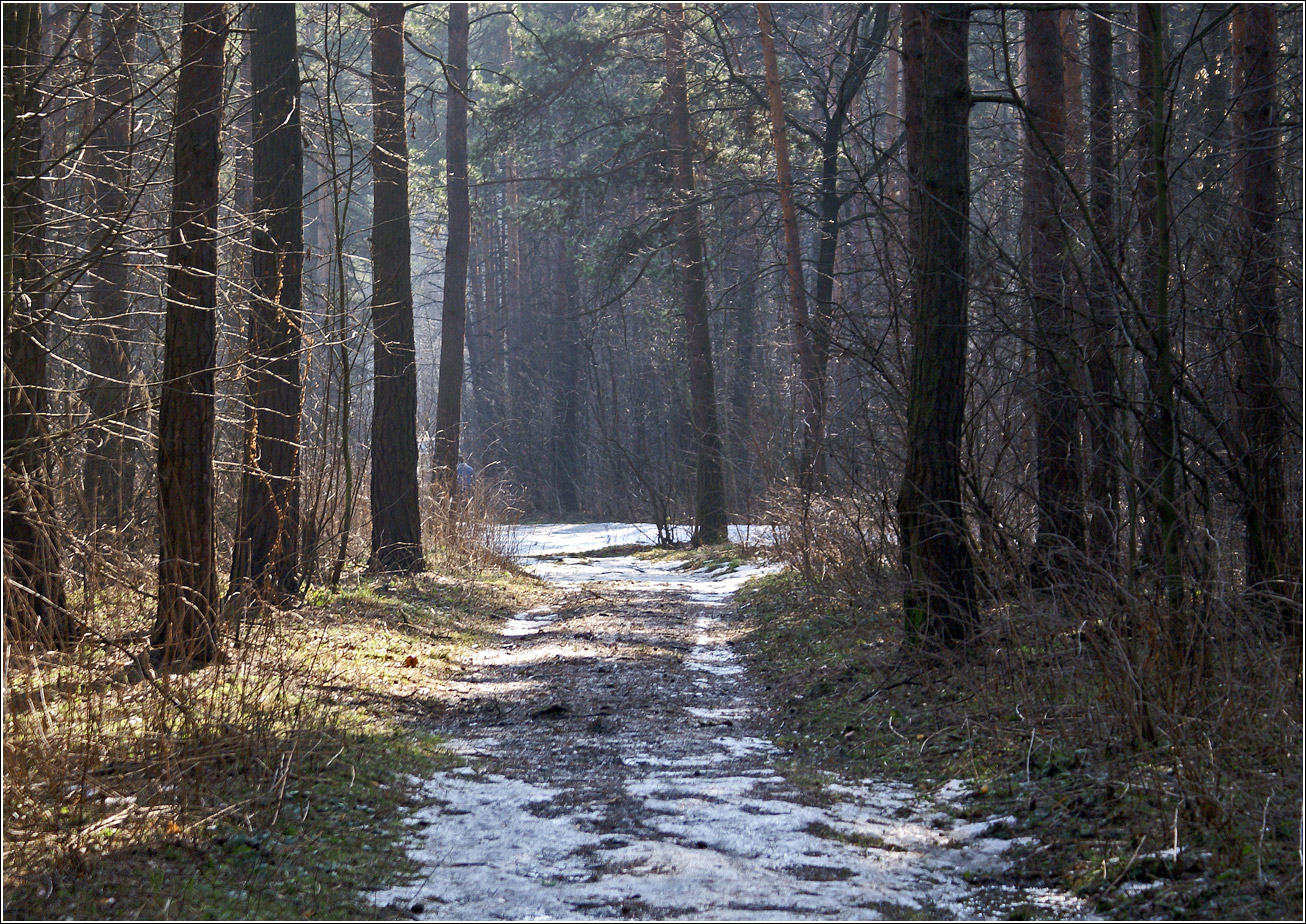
(269, 784)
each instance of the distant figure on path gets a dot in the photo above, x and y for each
(466, 477)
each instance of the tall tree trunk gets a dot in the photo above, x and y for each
(110, 472)
(1074, 95)
(565, 437)
(185, 628)
(710, 495)
(481, 349)
(809, 380)
(1262, 414)
(267, 538)
(34, 600)
(1161, 450)
(518, 321)
(1060, 524)
(939, 598)
(893, 104)
(519, 329)
(1103, 415)
(745, 371)
(913, 79)
(396, 519)
(339, 314)
(449, 403)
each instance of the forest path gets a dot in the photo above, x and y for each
(619, 772)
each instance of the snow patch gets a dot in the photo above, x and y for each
(687, 823)
(954, 791)
(528, 623)
(574, 538)
(712, 846)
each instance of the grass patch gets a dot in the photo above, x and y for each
(1022, 716)
(272, 785)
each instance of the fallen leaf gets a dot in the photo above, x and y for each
(410, 661)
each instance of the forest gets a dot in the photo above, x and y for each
(971, 333)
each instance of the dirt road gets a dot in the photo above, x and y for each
(617, 768)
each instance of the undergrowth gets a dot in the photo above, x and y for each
(272, 784)
(1028, 715)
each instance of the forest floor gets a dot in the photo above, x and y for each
(1160, 830)
(619, 765)
(271, 785)
(631, 734)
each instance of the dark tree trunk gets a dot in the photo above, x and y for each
(34, 600)
(1060, 510)
(892, 123)
(110, 473)
(1072, 65)
(1262, 413)
(449, 402)
(710, 497)
(913, 79)
(1103, 416)
(267, 537)
(185, 628)
(939, 598)
(396, 519)
(1160, 426)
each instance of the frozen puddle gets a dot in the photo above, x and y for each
(616, 774)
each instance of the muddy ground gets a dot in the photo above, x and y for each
(619, 767)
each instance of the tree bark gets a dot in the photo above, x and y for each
(482, 350)
(448, 413)
(893, 104)
(939, 597)
(799, 320)
(1262, 416)
(396, 519)
(185, 628)
(339, 314)
(1060, 511)
(1074, 94)
(913, 79)
(1103, 415)
(1160, 426)
(35, 611)
(267, 538)
(710, 496)
(110, 473)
